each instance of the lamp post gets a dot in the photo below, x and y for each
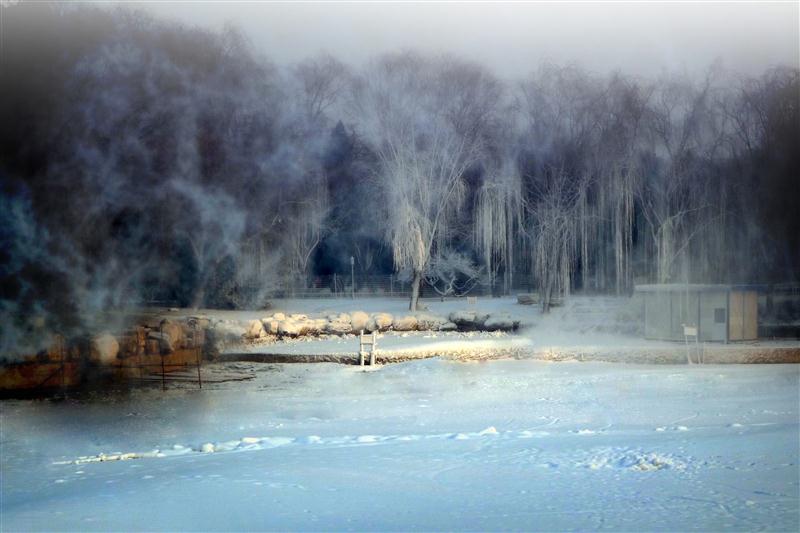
(352, 277)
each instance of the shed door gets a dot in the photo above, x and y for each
(744, 316)
(750, 318)
(736, 324)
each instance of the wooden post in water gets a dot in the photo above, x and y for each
(63, 356)
(197, 353)
(161, 354)
(140, 351)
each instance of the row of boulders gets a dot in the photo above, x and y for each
(476, 320)
(157, 337)
(297, 325)
(533, 299)
(163, 337)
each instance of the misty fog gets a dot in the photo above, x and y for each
(143, 160)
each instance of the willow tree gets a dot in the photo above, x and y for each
(421, 156)
(498, 222)
(562, 111)
(423, 190)
(552, 230)
(671, 194)
(305, 230)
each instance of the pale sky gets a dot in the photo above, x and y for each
(643, 38)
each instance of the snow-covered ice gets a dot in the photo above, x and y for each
(423, 445)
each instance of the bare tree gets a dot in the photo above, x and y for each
(212, 231)
(452, 273)
(552, 231)
(305, 230)
(499, 219)
(421, 157)
(322, 81)
(671, 196)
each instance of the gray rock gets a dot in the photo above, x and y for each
(429, 322)
(104, 348)
(165, 344)
(174, 331)
(271, 326)
(255, 330)
(359, 320)
(528, 299)
(338, 327)
(465, 318)
(229, 333)
(468, 320)
(383, 321)
(289, 328)
(405, 323)
(499, 322)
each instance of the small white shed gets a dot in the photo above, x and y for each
(721, 313)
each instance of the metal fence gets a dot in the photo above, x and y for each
(339, 286)
(779, 310)
(379, 286)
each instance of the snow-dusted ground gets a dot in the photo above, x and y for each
(392, 342)
(586, 328)
(423, 445)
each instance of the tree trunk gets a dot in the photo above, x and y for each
(665, 251)
(207, 271)
(546, 295)
(199, 296)
(544, 292)
(415, 291)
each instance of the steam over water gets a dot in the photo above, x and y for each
(149, 162)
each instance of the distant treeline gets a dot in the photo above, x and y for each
(142, 160)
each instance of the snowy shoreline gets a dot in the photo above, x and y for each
(477, 346)
(584, 329)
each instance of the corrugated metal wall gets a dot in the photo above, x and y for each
(718, 317)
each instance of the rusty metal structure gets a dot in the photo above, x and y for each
(142, 357)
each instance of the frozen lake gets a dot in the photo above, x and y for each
(425, 445)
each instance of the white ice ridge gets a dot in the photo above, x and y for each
(264, 443)
(593, 458)
(632, 460)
